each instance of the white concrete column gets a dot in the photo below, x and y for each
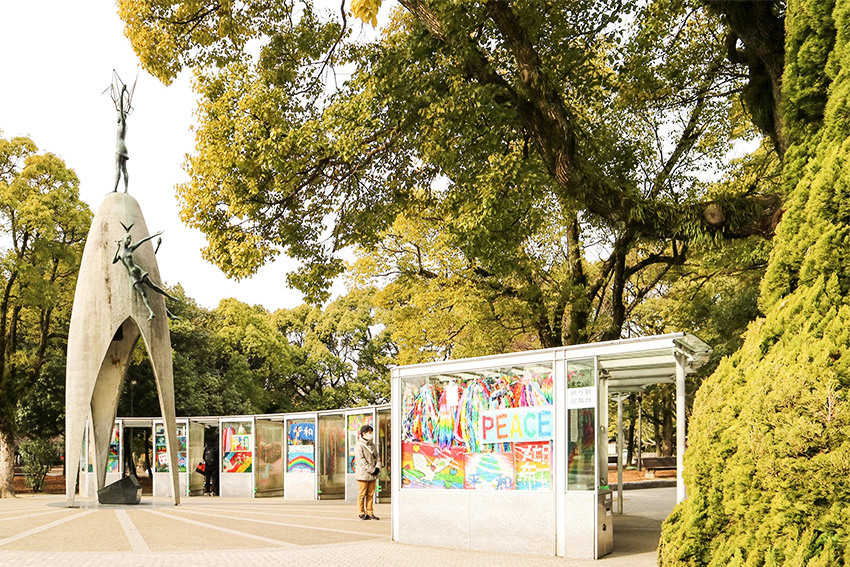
(559, 452)
(680, 424)
(395, 453)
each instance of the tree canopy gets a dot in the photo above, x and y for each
(562, 152)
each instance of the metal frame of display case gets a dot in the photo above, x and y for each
(260, 469)
(351, 487)
(161, 479)
(296, 486)
(236, 484)
(300, 485)
(324, 492)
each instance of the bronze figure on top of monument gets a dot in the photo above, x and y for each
(122, 98)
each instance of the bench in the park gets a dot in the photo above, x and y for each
(653, 464)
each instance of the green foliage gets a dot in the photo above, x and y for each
(769, 445)
(241, 359)
(43, 225)
(434, 305)
(38, 455)
(41, 413)
(340, 359)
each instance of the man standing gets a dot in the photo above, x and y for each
(366, 472)
(211, 468)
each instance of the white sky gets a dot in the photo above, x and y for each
(58, 58)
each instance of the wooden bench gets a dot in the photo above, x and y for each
(652, 464)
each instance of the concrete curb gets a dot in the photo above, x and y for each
(640, 484)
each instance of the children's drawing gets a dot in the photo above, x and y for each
(533, 465)
(424, 465)
(301, 459)
(489, 471)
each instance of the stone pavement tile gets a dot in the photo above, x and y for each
(306, 520)
(175, 542)
(166, 534)
(341, 555)
(96, 531)
(14, 525)
(284, 531)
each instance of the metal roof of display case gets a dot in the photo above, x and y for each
(628, 364)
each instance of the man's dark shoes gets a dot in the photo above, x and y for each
(373, 517)
(364, 517)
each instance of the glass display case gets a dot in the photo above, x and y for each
(161, 466)
(581, 425)
(354, 421)
(236, 438)
(384, 440)
(269, 474)
(519, 441)
(331, 462)
(299, 480)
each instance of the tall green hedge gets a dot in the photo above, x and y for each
(768, 463)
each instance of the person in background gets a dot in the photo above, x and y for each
(211, 468)
(366, 472)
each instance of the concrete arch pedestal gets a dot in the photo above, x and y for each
(107, 320)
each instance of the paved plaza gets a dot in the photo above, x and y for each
(39, 530)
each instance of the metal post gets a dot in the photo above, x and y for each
(640, 431)
(680, 424)
(619, 453)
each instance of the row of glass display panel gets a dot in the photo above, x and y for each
(493, 429)
(237, 446)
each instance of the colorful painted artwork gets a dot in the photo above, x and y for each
(236, 462)
(160, 449)
(533, 465)
(301, 447)
(301, 459)
(241, 443)
(114, 446)
(355, 422)
(236, 443)
(302, 433)
(489, 471)
(425, 465)
(182, 447)
(517, 424)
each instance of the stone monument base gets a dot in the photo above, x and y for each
(125, 491)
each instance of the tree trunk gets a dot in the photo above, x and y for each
(7, 463)
(667, 431)
(656, 429)
(580, 304)
(630, 436)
